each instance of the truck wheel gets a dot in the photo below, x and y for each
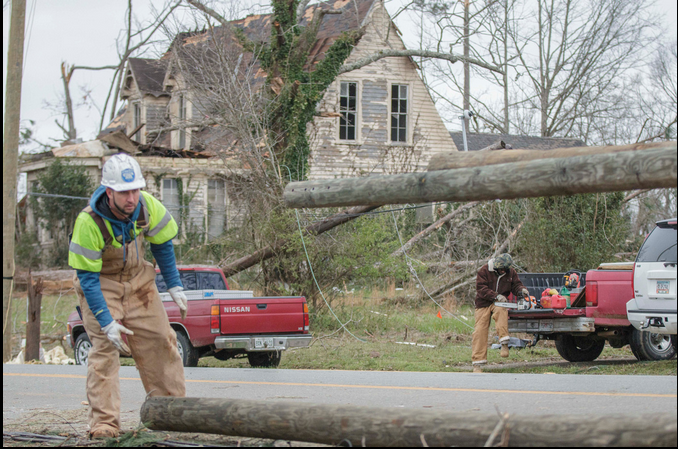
(81, 349)
(673, 343)
(579, 349)
(189, 355)
(269, 359)
(649, 346)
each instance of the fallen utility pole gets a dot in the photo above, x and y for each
(371, 426)
(649, 168)
(459, 159)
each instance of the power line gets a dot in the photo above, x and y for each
(414, 272)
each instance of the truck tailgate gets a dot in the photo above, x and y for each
(268, 315)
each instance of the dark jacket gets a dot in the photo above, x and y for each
(487, 287)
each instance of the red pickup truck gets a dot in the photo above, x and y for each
(580, 332)
(222, 323)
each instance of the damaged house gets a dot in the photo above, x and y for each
(376, 119)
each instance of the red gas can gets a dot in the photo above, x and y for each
(558, 302)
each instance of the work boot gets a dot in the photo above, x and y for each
(104, 433)
(504, 350)
(477, 369)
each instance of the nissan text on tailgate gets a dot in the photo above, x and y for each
(222, 323)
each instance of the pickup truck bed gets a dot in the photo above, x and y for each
(581, 332)
(222, 323)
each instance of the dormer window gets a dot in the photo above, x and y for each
(136, 121)
(182, 121)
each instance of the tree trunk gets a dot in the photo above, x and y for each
(66, 78)
(654, 167)
(371, 426)
(316, 228)
(33, 320)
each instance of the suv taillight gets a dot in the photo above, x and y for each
(214, 319)
(592, 294)
(306, 319)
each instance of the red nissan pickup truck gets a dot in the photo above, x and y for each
(597, 316)
(222, 323)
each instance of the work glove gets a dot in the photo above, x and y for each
(501, 298)
(526, 293)
(113, 331)
(179, 297)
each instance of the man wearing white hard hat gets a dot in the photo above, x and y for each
(117, 291)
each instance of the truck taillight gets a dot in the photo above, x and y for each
(306, 319)
(214, 319)
(592, 294)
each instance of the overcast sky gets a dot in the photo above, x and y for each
(83, 32)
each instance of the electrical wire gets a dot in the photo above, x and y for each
(310, 266)
(414, 272)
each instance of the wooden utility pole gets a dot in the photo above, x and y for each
(32, 351)
(650, 168)
(482, 158)
(467, 64)
(389, 427)
(10, 155)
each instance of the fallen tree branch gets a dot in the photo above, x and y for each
(445, 288)
(316, 229)
(434, 227)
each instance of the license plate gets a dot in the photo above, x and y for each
(663, 287)
(546, 325)
(261, 343)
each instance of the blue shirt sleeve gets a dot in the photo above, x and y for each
(91, 287)
(164, 256)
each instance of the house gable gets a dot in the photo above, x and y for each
(372, 151)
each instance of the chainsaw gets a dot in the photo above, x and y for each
(524, 303)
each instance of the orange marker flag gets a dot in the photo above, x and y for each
(439, 315)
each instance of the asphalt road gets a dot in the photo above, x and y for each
(27, 387)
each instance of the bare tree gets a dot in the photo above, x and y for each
(573, 56)
(135, 38)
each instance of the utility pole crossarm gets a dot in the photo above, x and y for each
(649, 167)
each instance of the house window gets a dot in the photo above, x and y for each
(348, 100)
(182, 121)
(216, 205)
(171, 199)
(398, 113)
(136, 121)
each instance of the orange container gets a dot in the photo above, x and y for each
(546, 302)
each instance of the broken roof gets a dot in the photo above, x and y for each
(478, 141)
(257, 28)
(149, 75)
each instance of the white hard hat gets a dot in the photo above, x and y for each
(122, 172)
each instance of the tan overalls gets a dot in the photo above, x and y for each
(132, 297)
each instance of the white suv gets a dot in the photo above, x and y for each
(653, 309)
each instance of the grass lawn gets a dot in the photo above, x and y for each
(379, 323)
